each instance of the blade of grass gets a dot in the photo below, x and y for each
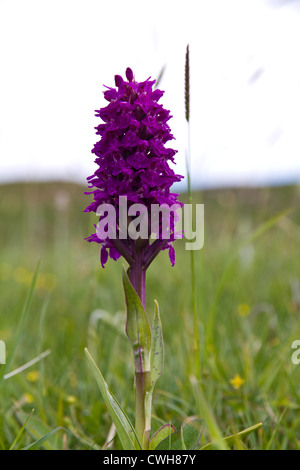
(22, 321)
(208, 417)
(229, 440)
(37, 444)
(255, 234)
(36, 428)
(160, 76)
(192, 255)
(21, 431)
(275, 432)
(41, 363)
(123, 425)
(27, 365)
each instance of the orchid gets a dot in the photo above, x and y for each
(133, 164)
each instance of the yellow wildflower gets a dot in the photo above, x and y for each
(22, 275)
(237, 381)
(33, 375)
(28, 398)
(71, 399)
(243, 310)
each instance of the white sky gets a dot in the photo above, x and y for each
(56, 55)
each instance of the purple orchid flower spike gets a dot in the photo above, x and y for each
(133, 162)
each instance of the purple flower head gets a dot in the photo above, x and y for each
(133, 162)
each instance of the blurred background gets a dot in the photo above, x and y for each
(56, 56)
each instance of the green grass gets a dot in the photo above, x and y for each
(248, 304)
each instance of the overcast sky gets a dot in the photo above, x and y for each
(56, 55)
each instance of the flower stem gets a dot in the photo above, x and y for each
(196, 347)
(142, 425)
(142, 377)
(138, 276)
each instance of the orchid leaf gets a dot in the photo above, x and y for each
(121, 421)
(163, 433)
(137, 327)
(157, 347)
(186, 438)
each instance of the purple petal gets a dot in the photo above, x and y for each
(103, 256)
(129, 74)
(119, 80)
(172, 255)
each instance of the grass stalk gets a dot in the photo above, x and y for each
(21, 322)
(190, 201)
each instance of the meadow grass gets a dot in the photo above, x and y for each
(247, 298)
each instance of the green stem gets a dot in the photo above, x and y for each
(196, 346)
(142, 377)
(192, 259)
(138, 276)
(143, 408)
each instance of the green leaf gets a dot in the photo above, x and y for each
(163, 433)
(123, 425)
(21, 431)
(37, 429)
(191, 432)
(234, 437)
(156, 362)
(172, 442)
(157, 348)
(186, 438)
(262, 228)
(209, 418)
(114, 321)
(22, 321)
(227, 273)
(116, 326)
(37, 444)
(276, 429)
(137, 327)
